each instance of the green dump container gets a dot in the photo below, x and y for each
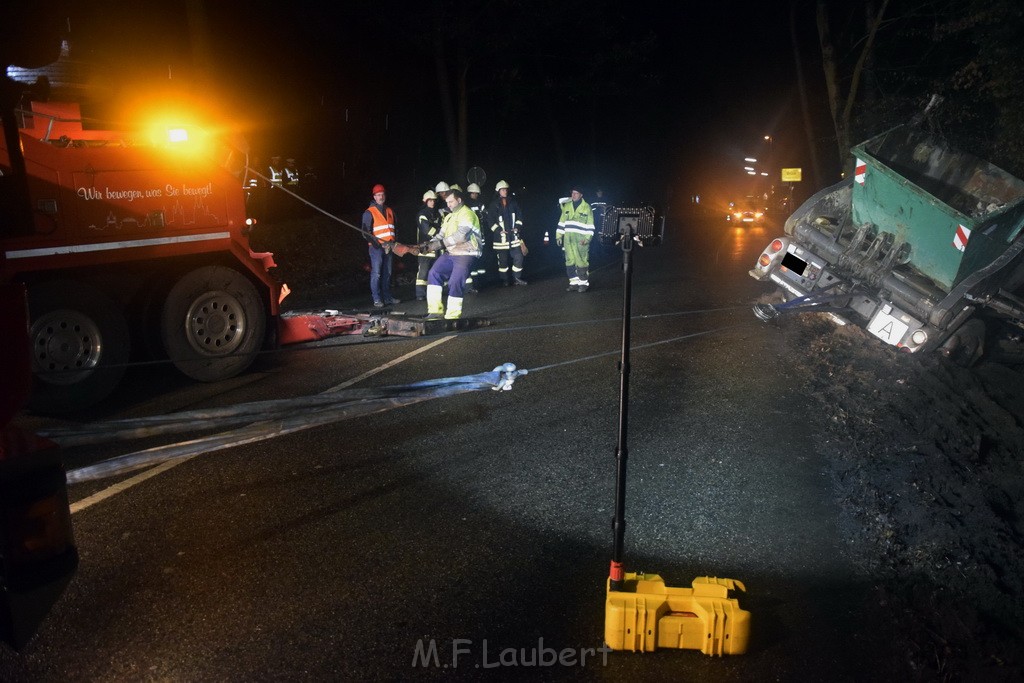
(955, 211)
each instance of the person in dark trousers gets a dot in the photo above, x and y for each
(428, 222)
(506, 231)
(479, 272)
(378, 227)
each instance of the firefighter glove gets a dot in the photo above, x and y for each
(558, 241)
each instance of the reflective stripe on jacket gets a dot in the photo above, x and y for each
(508, 222)
(576, 220)
(429, 222)
(383, 223)
(460, 232)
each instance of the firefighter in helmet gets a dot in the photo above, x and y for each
(506, 234)
(442, 189)
(476, 203)
(428, 223)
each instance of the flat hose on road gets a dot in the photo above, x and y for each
(285, 416)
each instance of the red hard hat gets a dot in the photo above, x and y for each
(377, 188)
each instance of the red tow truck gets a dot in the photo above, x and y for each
(132, 244)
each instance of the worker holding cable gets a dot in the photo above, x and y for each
(428, 223)
(574, 234)
(460, 238)
(378, 228)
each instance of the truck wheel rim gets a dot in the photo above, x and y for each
(66, 347)
(216, 324)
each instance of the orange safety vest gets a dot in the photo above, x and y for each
(383, 226)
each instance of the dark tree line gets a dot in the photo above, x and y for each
(883, 59)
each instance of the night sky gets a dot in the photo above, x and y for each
(651, 102)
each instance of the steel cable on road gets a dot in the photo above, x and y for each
(637, 347)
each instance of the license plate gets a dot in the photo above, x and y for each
(889, 329)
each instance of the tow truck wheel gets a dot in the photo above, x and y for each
(213, 323)
(80, 346)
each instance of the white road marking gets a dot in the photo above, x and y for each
(120, 487)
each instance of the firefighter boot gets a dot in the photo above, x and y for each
(454, 308)
(435, 309)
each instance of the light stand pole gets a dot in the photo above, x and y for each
(621, 452)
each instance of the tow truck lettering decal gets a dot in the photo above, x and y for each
(131, 194)
(106, 246)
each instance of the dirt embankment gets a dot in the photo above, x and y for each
(927, 460)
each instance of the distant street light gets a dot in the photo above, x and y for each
(751, 160)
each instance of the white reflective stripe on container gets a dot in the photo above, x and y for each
(108, 246)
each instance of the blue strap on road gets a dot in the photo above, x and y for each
(275, 418)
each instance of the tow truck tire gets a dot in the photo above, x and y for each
(80, 346)
(213, 323)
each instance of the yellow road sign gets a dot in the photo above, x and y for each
(792, 175)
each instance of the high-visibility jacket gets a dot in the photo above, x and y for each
(276, 175)
(578, 220)
(460, 232)
(383, 224)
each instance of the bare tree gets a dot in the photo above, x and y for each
(841, 103)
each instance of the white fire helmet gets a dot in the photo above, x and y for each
(502, 185)
(429, 194)
(456, 186)
(442, 187)
(473, 187)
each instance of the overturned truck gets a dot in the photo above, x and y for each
(922, 248)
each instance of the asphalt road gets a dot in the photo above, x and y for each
(480, 522)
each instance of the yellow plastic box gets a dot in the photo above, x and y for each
(647, 615)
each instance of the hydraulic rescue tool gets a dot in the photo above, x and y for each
(641, 612)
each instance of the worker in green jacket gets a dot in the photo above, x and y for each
(574, 234)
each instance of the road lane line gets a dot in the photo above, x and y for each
(125, 485)
(382, 368)
(120, 487)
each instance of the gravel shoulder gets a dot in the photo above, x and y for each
(926, 462)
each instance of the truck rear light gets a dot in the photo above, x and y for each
(775, 246)
(764, 260)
